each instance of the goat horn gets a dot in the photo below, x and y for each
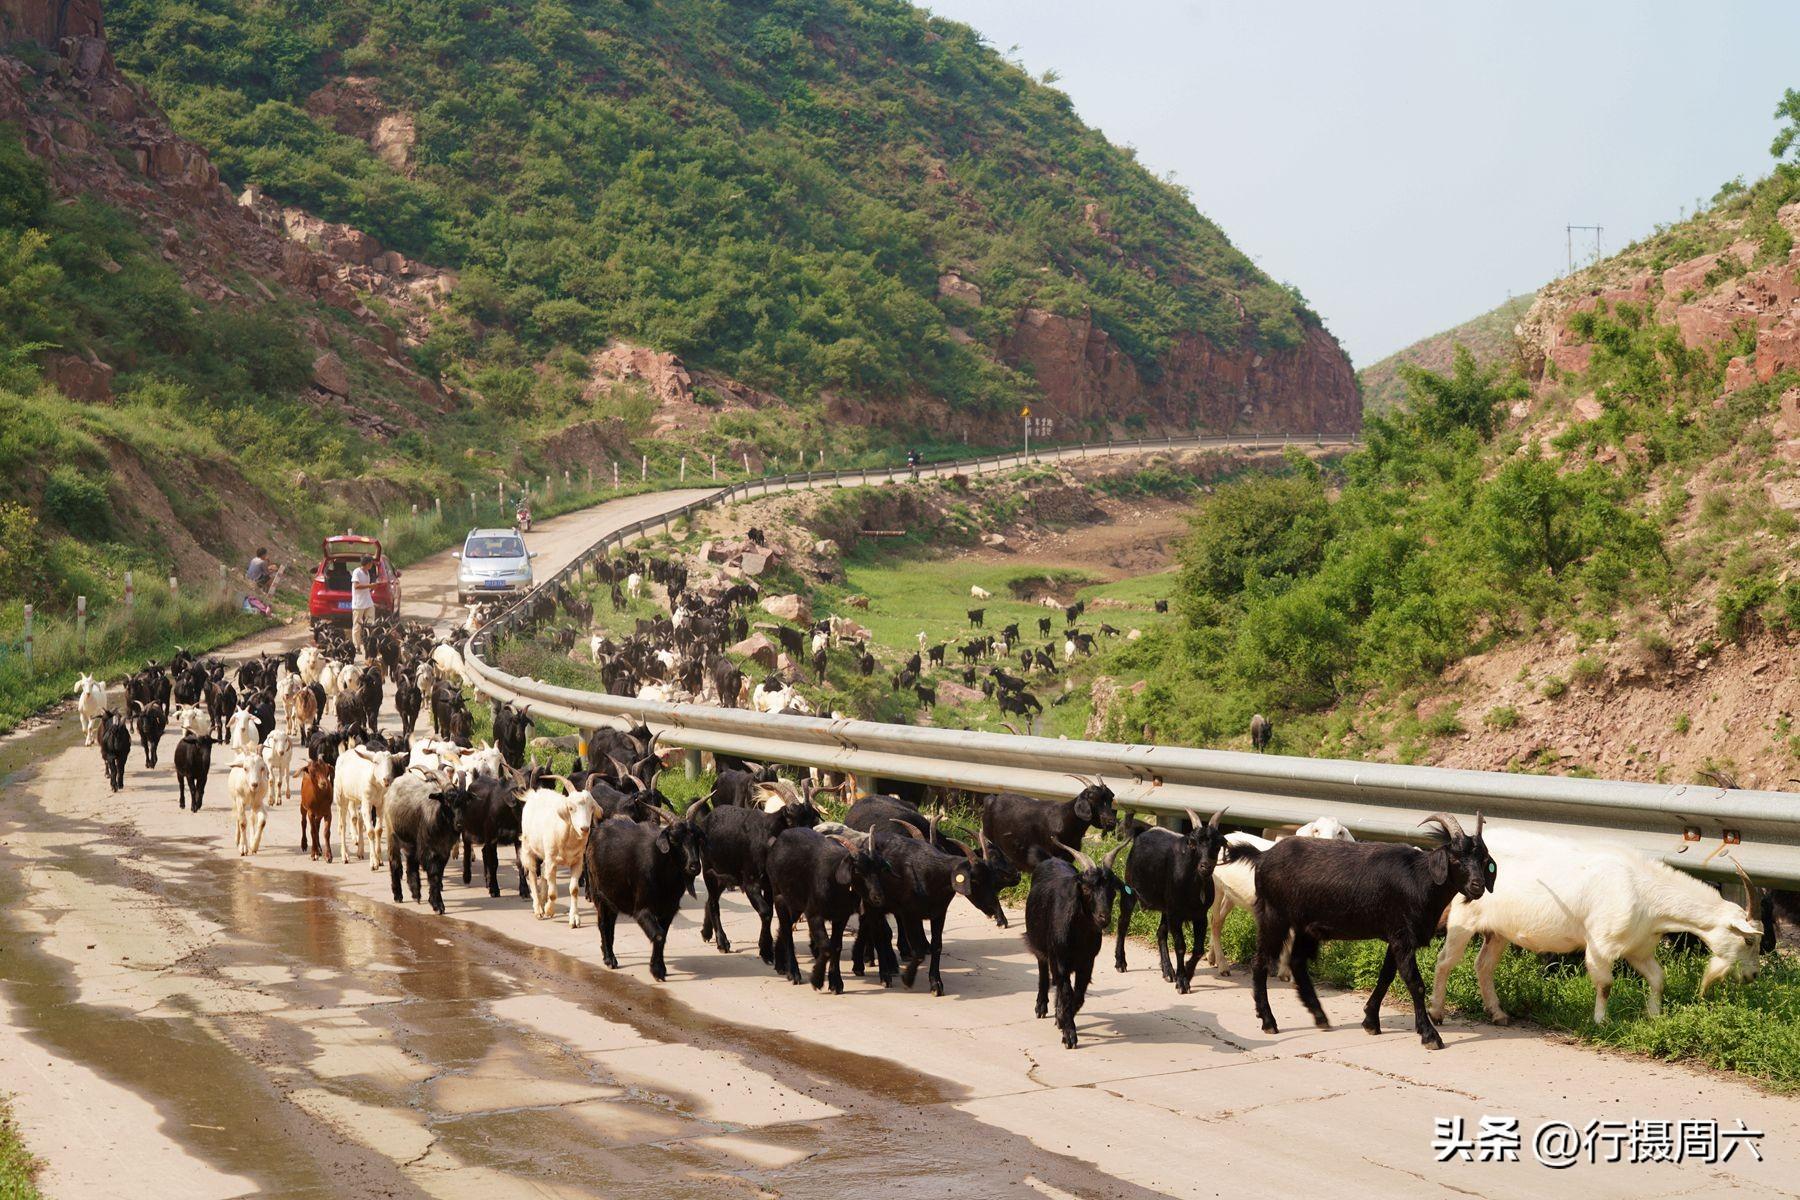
(1750, 897)
(1112, 855)
(1085, 783)
(1213, 821)
(930, 829)
(1193, 818)
(1081, 860)
(664, 815)
(1479, 822)
(1452, 827)
(567, 786)
(981, 840)
(906, 827)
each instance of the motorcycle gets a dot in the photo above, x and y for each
(522, 517)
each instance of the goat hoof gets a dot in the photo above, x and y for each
(724, 946)
(1371, 1024)
(1040, 1012)
(1503, 1019)
(1068, 1039)
(1434, 1042)
(1181, 987)
(937, 987)
(1322, 1021)
(1270, 1027)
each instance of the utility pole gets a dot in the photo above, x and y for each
(1569, 232)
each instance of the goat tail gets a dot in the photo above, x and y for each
(1233, 852)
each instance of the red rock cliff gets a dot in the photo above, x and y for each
(1197, 387)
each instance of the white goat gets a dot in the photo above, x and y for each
(240, 732)
(90, 702)
(1234, 886)
(361, 787)
(634, 585)
(448, 661)
(308, 663)
(249, 787)
(553, 833)
(278, 752)
(595, 642)
(328, 679)
(977, 592)
(1554, 896)
(191, 718)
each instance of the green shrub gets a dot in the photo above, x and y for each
(1553, 687)
(24, 561)
(1503, 716)
(1683, 723)
(78, 502)
(1588, 668)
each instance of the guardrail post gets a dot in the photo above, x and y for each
(615, 472)
(500, 493)
(715, 466)
(644, 468)
(684, 468)
(437, 507)
(81, 623)
(174, 587)
(130, 593)
(690, 763)
(28, 635)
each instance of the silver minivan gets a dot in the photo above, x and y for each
(494, 565)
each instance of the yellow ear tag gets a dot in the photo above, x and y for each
(960, 878)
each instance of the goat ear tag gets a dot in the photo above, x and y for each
(961, 878)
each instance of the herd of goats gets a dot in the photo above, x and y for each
(410, 800)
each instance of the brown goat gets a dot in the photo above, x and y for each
(315, 806)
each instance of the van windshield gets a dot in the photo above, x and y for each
(500, 545)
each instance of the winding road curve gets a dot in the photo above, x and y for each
(177, 1022)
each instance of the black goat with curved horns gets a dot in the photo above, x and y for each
(1027, 830)
(1066, 917)
(1321, 890)
(1172, 874)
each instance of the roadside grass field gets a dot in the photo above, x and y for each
(18, 1168)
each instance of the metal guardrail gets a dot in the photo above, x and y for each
(1695, 827)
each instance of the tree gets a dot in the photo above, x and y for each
(1787, 139)
(1259, 528)
(1469, 397)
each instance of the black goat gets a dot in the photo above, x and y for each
(510, 726)
(1320, 890)
(738, 839)
(641, 869)
(408, 700)
(423, 823)
(1028, 830)
(977, 617)
(152, 722)
(1261, 733)
(193, 761)
(823, 879)
(491, 820)
(1066, 917)
(919, 881)
(1172, 874)
(115, 747)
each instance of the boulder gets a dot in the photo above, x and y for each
(857, 601)
(790, 607)
(994, 541)
(952, 286)
(956, 693)
(755, 563)
(330, 375)
(825, 548)
(757, 649)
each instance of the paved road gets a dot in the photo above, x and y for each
(179, 1022)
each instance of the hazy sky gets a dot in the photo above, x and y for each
(1408, 164)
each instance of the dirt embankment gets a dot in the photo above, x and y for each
(1106, 517)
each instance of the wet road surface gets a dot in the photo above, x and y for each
(176, 1021)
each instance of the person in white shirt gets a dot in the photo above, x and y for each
(362, 602)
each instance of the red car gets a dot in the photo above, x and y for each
(330, 599)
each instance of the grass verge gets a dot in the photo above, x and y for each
(18, 1167)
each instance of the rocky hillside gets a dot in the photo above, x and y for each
(1575, 557)
(853, 203)
(1490, 338)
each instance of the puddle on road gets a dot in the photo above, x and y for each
(319, 1010)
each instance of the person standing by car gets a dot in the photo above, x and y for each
(362, 602)
(258, 570)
